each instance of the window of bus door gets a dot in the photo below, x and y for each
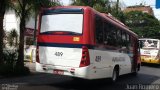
(119, 38)
(69, 23)
(124, 42)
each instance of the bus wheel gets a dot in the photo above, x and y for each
(136, 71)
(115, 74)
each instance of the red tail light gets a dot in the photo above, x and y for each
(37, 54)
(85, 60)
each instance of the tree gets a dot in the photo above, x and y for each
(4, 5)
(99, 5)
(24, 10)
(143, 24)
(103, 6)
(12, 38)
(116, 11)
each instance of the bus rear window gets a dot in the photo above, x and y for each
(149, 43)
(67, 23)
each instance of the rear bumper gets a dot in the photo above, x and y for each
(68, 71)
(150, 61)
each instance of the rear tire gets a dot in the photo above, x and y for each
(115, 74)
(137, 69)
(135, 73)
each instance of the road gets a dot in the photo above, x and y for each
(148, 75)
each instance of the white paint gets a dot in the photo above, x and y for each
(69, 57)
(72, 58)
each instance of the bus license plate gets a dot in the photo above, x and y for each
(60, 72)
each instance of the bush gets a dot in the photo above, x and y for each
(9, 67)
(21, 71)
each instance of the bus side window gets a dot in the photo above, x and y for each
(124, 42)
(128, 43)
(106, 33)
(99, 30)
(119, 38)
(112, 35)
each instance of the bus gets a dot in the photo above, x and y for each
(150, 51)
(80, 42)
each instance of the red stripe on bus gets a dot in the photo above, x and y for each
(59, 39)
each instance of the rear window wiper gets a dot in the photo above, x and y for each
(61, 33)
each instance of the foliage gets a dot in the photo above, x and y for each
(29, 41)
(145, 25)
(99, 5)
(12, 38)
(4, 5)
(38, 4)
(9, 67)
(103, 6)
(116, 11)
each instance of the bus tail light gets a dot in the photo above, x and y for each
(37, 54)
(85, 60)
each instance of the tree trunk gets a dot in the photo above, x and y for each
(1, 39)
(20, 61)
(35, 29)
(2, 12)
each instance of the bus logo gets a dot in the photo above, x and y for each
(98, 58)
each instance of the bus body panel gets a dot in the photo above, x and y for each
(109, 59)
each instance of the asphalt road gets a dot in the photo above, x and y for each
(147, 79)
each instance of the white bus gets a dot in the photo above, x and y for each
(80, 42)
(150, 51)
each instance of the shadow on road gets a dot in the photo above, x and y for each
(105, 84)
(55, 82)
